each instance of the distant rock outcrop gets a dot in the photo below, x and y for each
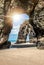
(25, 29)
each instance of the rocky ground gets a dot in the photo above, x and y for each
(22, 56)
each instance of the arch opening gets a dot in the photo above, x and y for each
(17, 20)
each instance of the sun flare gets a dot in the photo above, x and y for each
(16, 17)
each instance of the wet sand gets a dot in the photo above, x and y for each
(22, 56)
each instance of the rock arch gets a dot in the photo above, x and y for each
(31, 7)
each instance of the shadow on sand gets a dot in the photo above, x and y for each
(22, 45)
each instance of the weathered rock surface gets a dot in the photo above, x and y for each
(36, 12)
(25, 29)
(34, 8)
(5, 27)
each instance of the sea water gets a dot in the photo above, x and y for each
(13, 37)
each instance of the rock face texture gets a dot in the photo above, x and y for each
(38, 19)
(34, 27)
(25, 29)
(5, 27)
(36, 13)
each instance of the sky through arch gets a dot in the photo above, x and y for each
(18, 19)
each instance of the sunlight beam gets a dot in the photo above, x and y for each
(16, 17)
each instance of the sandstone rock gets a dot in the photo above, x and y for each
(25, 29)
(4, 27)
(36, 11)
(39, 17)
(34, 8)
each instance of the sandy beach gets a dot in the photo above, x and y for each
(22, 56)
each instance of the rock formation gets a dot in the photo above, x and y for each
(34, 8)
(36, 13)
(25, 29)
(5, 27)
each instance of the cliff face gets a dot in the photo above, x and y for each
(5, 27)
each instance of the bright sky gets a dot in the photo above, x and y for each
(17, 21)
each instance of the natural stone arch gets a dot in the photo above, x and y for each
(30, 8)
